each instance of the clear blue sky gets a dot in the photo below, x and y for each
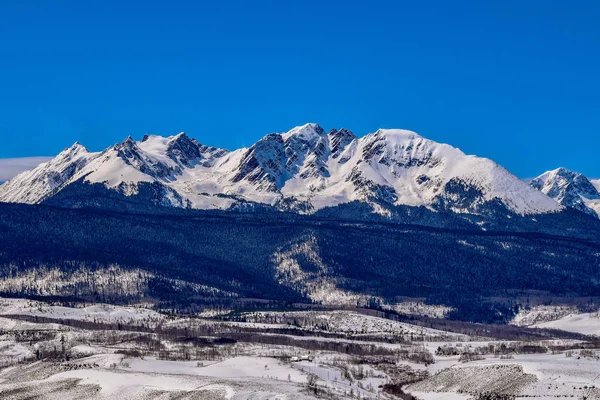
(516, 81)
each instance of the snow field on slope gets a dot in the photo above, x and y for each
(98, 312)
(544, 376)
(586, 323)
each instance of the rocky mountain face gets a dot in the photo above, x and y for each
(303, 170)
(570, 189)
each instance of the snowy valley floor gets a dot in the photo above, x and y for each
(99, 351)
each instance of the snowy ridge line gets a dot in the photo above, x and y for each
(303, 170)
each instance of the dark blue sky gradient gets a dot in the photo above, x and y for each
(516, 81)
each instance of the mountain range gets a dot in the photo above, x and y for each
(301, 216)
(303, 170)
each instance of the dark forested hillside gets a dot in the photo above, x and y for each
(294, 258)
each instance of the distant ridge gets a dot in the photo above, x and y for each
(570, 189)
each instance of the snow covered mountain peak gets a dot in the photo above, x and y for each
(304, 169)
(73, 150)
(180, 134)
(552, 182)
(397, 134)
(76, 146)
(569, 188)
(307, 132)
(36, 185)
(405, 168)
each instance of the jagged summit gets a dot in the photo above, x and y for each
(569, 188)
(74, 148)
(36, 185)
(305, 168)
(307, 132)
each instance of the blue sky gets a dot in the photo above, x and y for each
(516, 81)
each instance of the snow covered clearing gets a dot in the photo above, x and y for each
(586, 323)
(61, 361)
(99, 312)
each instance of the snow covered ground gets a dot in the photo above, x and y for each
(349, 322)
(99, 312)
(58, 361)
(544, 376)
(539, 314)
(586, 323)
(560, 317)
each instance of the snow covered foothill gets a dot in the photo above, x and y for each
(113, 376)
(96, 312)
(543, 376)
(503, 378)
(11, 325)
(341, 321)
(348, 322)
(557, 375)
(565, 318)
(585, 323)
(104, 365)
(419, 308)
(236, 367)
(539, 314)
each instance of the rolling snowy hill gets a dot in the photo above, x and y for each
(303, 170)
